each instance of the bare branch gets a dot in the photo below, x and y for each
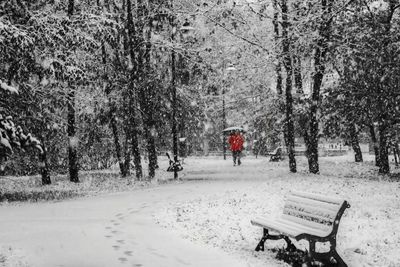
(238, 36)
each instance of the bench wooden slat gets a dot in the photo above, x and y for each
(321, 198)
(315, 203)
(328, 215)
(286, 227)
(329, 212)
(307, 223)
(306, 207)
(306, 215)
(323, 231)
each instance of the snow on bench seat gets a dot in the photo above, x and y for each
(288, 228)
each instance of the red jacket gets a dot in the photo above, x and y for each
(236, 142)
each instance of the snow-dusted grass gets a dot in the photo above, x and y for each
(11, 257)
(29, 188)
(369, 232)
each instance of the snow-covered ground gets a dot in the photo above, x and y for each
(203, 221)
(369, 233)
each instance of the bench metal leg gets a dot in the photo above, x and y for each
(266, 235)
(339, 261)
(332, 257)
(290, 247)
(260, 245)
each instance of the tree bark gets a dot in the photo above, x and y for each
(73, 143)
(71, 131)
(298, 81)
(44, 167)
(278, 68)
(396, 153)
(375, 144)
(147, 90)
(355, 144)
(127, 153)
(113, 121)
(383, 149)
(118, 150)
(134, 133)
(288, 89)
(173, 94)
(319, 71)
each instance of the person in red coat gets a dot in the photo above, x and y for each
(236, 141)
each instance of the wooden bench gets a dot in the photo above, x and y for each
(276, 155)
(312, 217)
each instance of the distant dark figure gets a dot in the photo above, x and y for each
(236, 141)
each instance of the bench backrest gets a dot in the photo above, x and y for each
(277, 151)
(312, 210)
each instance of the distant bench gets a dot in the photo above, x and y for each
(307, 216)
(276, 155)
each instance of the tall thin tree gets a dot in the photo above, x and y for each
(71, 127)
(287, 62)
(278, 67)
(320, 56)
(173, 91)
(133, 128)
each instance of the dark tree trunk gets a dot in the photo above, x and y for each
(355, 144)
(118, 151)
(298, 81)
(72, 147)
(303, 122)
(278, 67)
(288, 90)
(383, 149)
(396, 153)
(44, 166)
(319, 71)
(147, 92)
(70, 8)
(375, 144)
(113, 121)
(174, 95)
(127, 153)
(71, 131)
(134, 133)
(136, 153)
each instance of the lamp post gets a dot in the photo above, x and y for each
(223, 121)
(227, 70)
(185, 32)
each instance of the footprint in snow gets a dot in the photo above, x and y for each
(128, 253)
(122, 259)
(158, 254)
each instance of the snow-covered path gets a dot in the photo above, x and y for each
(117, 229)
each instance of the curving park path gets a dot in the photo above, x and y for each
(120, 229)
